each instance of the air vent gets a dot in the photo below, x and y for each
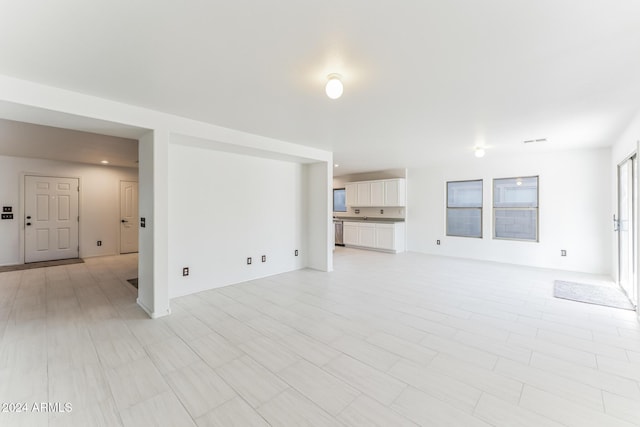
(531, 141)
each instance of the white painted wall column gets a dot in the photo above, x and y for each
(153, 261)
(320, 209)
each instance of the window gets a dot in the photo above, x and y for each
(515, 208)
(339, 200)
(464, 208)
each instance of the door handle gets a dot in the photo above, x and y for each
(616, 223)
(124, 220)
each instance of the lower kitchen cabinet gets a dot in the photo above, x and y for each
(388, 237)
(385, 236)
(367, 234)
(350, 233)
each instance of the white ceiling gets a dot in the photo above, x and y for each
(425, 80)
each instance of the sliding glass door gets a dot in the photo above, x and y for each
(626, 226)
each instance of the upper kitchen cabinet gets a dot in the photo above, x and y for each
(379, 193)
(395, 191)
(351, 193)
(364, 194)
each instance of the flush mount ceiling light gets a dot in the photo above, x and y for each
(334, 86)
(104, 162)
(479, 152)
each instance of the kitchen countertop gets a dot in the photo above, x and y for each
(370, 219)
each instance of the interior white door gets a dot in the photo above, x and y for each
(128, 217)
(51, 218)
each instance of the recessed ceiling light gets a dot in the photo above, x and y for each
(336, 165)
(479, 152)
(104, 162)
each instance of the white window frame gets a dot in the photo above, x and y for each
(517, 208)
(480, 208)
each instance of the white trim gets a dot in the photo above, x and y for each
(152, 314)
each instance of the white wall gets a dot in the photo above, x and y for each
(99, 203)
(626, 144)
(574, 210)
(225, 207)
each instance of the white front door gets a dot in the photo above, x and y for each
(128, 217)
(51, 218)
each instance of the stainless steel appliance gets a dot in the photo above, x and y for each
(338, 226)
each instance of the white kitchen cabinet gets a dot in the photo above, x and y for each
(394, 192)
(364, 194)
(380, 193)
(388, 237)
(367, 234)
(351, 194)
(350, 233)
(377, 193)
(385, 236)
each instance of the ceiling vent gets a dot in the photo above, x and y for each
(531, 141)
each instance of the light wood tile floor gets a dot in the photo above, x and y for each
(388, 340)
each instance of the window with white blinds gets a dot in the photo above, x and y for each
(515, 208)
(464, 208)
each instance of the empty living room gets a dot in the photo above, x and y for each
(365, 213)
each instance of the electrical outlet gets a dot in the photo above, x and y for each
(296, 252)
(437, 242)
(249, 261)
(264, 258)
(99, 243)
(563, 252)
(185, 271)
(357, 211)
(381, 211)
(7, 209)
(7, 216)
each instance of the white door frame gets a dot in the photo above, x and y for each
(21, 209)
